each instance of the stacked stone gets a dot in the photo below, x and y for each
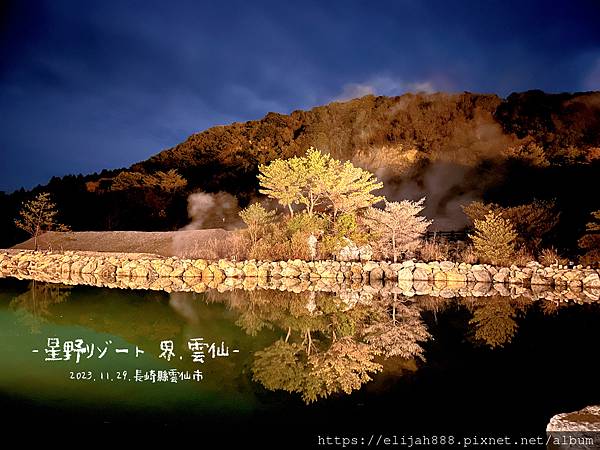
(443, 278)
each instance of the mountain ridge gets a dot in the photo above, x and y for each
(453, 148)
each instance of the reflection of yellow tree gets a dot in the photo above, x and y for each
(280, 366)
(345, 366)
(318, 355)
(494, 321)
(33, 305)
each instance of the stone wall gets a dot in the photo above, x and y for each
(443, 278)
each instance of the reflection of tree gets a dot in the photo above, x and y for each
(551, 307)
(33, 305)
(398, 333)
(280, 366)
(323, 351)
(494, 321)
(345, 366)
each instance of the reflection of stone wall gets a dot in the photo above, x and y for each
(445, 278)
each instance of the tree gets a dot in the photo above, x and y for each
(317, 180)
(256, 218)
(280, 181)
(348, 188)
(398, 225)
(38, 215)
(533, 221)
(595, 224)
(494, 238)
(590, 242)
(169, 181)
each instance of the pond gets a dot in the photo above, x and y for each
(271, 363)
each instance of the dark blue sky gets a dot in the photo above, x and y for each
(89, 85)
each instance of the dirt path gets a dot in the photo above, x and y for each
(189, 244)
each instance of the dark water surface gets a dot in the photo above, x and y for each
(438, 366)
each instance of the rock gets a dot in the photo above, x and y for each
(218, 274)
(578, 429)
(290, 272)
(446, 265)
(192, 272)
(455, 276)
(502, 275)
(405, 274)
(481, 289)
(365, 252)
(421, 274)
(139, 272)
(481, 275)
(591, 281)
(350, 252)
(200, 264)
(439, 277)
(370, 265)
(250, 270)
(376, 274)
(538, 279)
(164, 270)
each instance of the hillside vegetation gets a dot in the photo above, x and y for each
(451, 148)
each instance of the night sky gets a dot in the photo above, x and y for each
(90, 85)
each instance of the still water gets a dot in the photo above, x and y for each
(260, 364)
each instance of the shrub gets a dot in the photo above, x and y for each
(431, 250)
(549, 256)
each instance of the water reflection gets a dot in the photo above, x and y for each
(312, 344)
(33, 305)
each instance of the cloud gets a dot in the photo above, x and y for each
(383, 85)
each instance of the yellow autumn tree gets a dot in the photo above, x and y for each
(494, 239)
(318, 181)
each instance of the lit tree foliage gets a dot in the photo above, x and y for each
(532, 221)
(280, 181)
(595, 224)
(169, 181)
(317, 180)
(38, 216)
(399, 225)
(590, 242)
(256, 218)
(494, 239)
(348, 188)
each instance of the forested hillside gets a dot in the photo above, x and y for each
(453, 148)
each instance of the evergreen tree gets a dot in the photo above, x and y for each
(494, 238)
